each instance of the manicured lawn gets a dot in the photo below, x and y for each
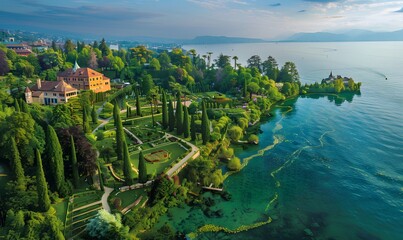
(61, 210)
(174, 149)
(128, 197)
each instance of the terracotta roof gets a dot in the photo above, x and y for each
(27, 90)
(53, 86)
(81, 72)
(37, 94)
(22, 51)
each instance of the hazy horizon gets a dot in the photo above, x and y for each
(186, 19)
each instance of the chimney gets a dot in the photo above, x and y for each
(38, 82)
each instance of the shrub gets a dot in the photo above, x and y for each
(234, 164)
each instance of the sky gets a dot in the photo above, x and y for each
(186, 19)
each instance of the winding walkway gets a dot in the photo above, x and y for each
(104, 198)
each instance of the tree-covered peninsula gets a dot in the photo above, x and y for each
(108, 164)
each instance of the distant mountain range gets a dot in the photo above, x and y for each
(222, 40)
(349, 36)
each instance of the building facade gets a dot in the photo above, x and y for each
(50, 92)
(85, 79)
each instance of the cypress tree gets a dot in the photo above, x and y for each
(16, 166)
(120, 137)
(16, 105)
(142, 168)
(73, 158)
(54, 157)
(24, 106)
(127, 167)
(94, 115)
(186, 124)
(138, 108)
(171, 116)
(193, 128)
(116, 112)
(164, 110)
(101, 178)
(205, 126)
(179, 114)
(41, 185)
(86, 123)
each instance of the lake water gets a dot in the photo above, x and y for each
(330, 168)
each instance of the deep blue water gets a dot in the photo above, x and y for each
(335, 170)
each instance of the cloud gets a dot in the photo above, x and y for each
(275, 5)
(399, 11)
(302, 11)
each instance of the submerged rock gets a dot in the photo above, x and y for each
(308, 232)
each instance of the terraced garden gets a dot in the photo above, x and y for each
(81, 208)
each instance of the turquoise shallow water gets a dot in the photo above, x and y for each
(337, 170)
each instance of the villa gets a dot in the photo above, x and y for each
(85, 79)
(332, 78)
(50, 92)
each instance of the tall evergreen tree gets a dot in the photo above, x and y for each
(16, 166)
(120, 137)
(186, 124)
(179, 114)
(101, 178)
(205, 126)
(116, 112)
(54, 158)
(142, 168)
(24, 106)
(138, 107)
(86, 123)
(164, 110)
(171, 116)
(245, 89)
(127, 167)
(73, 158)
(41, 185)
(193, 128)
(16, 105)
(94, 115)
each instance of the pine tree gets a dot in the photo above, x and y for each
(193, 128)
(16, 105)
(205, 126)
(120, 137)
(127, 167)
(142, 168)
(54, 158)
(41, 185)
(73, 158)
(171, 116)
(164, 110)
(179, 114)
(94, 115)
(186, 124)
(138, 108)
(86, 124)
(16, 166)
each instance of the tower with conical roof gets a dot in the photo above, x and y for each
(75, 66)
